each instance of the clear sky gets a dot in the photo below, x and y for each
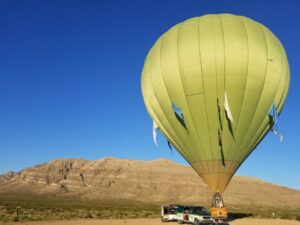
(70, 80)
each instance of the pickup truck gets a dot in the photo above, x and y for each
(194, 214)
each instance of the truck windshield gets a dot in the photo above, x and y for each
(179, 209)
(199, 211)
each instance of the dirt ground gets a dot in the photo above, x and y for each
(246, 221)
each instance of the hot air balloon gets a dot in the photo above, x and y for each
(223, 73)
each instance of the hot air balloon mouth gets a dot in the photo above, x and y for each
(215, 174)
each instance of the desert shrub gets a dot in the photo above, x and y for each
(132, 215)
(106, 213)
(98, 214)
(68, 216)
(114, 213)
(87, 215)
(10, 210)
(144, 214)
(284, 216)
(23, 218)
(5, 219)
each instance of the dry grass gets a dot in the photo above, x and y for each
(48, 208)
(149, 221)
(39, 208)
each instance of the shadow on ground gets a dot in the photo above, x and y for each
(238, 215)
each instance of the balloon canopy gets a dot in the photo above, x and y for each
(209, 83)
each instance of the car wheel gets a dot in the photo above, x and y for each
(180, 221)
(196, 222)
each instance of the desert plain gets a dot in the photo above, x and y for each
(155, 221)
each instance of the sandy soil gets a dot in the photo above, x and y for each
(246, 221)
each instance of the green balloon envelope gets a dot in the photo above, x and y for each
(193, 66)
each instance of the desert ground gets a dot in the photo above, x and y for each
(156, 221)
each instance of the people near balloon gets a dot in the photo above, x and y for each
(212, 84)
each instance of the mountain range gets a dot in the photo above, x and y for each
(157, 181)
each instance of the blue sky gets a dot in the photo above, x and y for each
(70, 80)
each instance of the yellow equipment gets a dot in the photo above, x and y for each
(219, 213)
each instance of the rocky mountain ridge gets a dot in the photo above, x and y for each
(157, 181)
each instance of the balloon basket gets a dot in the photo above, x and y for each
(219, 213)
(218, 210)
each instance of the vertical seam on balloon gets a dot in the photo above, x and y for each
(224, 74)
(286, 86)
(195, 151)
(164, 83)
(282, 71)
(157, 117)
(217, 88)
(262, 89)
(204, 86)
(149, 67)
(204, 154)
(281, 76)
(164, 131)
(245, 156)
(245, 88)
(262, 131)
(260, 136)
(162, 128)
(223, 36)
(288, 80)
